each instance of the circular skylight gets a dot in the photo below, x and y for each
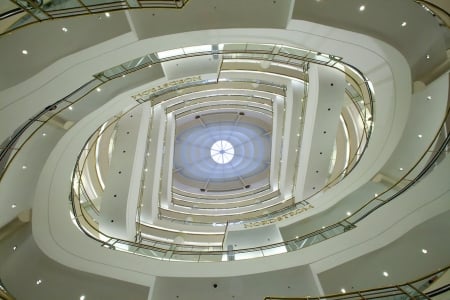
(222, 152)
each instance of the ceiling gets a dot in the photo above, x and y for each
(47, 44)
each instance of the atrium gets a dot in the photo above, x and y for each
(209, 149)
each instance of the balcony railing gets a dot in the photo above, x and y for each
(171, 251)
(19, 13)
(418, 289)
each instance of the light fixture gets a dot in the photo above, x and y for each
(404, 24)
(38, 282)
(123, 76)
(82, 297)
(107, 14)
(24, 52)
(44, 134)
(428, 97)
(349, 213)
(362, 8)
(401, 169)
(64, 29)
(343, 291)
(376, 195)
(428, 56)
(385, 274)
(70, 107)
(419, 136)
(24, 167)
(296, 236)
(98, 89)
(14, 248)
(145, 170)
(13, 205)
(424, 251)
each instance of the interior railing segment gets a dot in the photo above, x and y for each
(422, 288)
(146, 62)
(19, 13)
(171, 251)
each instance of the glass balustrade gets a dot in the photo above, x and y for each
(85, 211)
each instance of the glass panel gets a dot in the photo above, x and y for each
(259, 47)
(111, 73)
(56, 5)
(294, 51)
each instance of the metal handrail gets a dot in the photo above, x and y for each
(28, 12)
(415, 289)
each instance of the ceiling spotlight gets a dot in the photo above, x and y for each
(343, 291)
(362, 8)
(82, 297)
(385, 274)
(419, 136)
(44, 134)
(424, 251)
(38, 282)
(349, 213)
(24, 52)
(428, 56)
(428, 97)
(24, 167)
(13, 205)
(98, 89)
(14, 248)
(64, 29)
(404, 24)
(107, 14)
(70, 107)
(376, 195)
(401, 169)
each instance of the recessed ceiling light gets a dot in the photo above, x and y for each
(424, 251)
(24, 52)
(107, 14)
(376, 195)
(24, 167)
(349, 213)
(419, 136)
(296, 236)
(38, 282)
(404, 24)
(145, 170)
(385, 274)
(13, 205)
(428, 56)
(428, 97)
(44, 134)
(123, 76)
(64, 29)
(14, 248)
(82, 297)
(343, 291)
(401, 169)
(98, 89)
(70, 107)
(362, 8)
